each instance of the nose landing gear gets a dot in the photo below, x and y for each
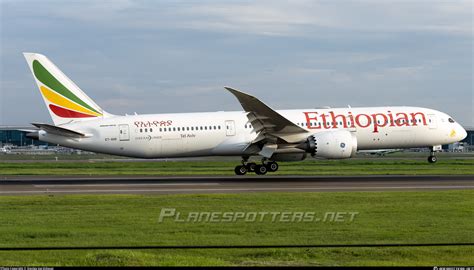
(260, 169)
(432, 158)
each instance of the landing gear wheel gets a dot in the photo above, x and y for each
(250, 167)
(432, 159)
(260, 169)
(272, 166)
(240, 170)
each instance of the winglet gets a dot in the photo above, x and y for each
(244, 98)
(263, 113)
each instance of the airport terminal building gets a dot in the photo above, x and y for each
(470, 135)
(13, 135)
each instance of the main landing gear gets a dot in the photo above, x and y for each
(260, 169)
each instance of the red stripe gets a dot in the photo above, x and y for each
(61, 112)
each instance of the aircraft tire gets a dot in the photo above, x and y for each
(432, 159)
(272, 166)
(260, 169)
(240, 170)
(251, 166)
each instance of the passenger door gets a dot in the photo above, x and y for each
(124, 132)
(432, 121)
(230, 127)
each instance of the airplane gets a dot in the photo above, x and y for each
(258, 130)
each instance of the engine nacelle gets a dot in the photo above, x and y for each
(331, 144)
(288, 156)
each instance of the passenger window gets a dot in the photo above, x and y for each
(151, 130)
(174, 129)
(141, 130)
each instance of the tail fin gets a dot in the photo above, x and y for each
(64, 99)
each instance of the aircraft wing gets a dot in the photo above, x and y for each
(267, 123)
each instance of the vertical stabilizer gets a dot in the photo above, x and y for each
(65, 101)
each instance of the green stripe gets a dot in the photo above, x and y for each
(49, 80)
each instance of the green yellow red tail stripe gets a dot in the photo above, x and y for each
(64, 103)
(65, 113)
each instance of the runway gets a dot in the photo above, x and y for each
(231, 184)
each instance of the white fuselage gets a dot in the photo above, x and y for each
(229, 133)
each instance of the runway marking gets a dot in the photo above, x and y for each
(230, 189)
(120, 185)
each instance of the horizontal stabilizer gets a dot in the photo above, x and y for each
(59, 130)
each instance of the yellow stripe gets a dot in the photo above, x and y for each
(57, 99)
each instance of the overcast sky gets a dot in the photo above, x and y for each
(176, 56)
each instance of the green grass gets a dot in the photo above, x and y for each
(309, 167)
(384, 217)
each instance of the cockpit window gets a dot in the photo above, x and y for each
(450, 120)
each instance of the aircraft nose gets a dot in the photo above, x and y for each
(462, 133)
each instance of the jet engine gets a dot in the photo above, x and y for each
(331, 144)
